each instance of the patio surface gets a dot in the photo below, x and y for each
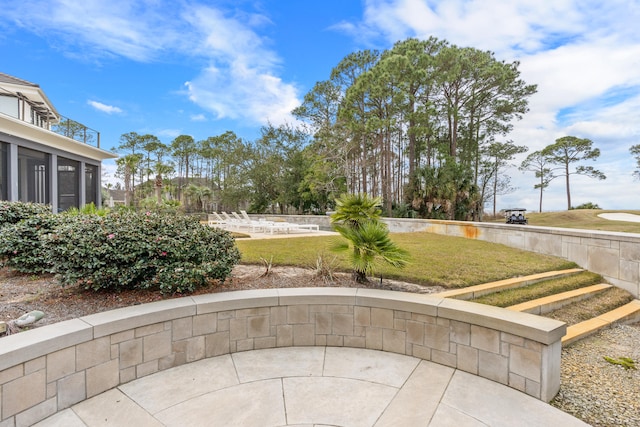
(312, 386)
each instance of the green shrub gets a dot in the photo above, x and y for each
(14, 212)
(22, 247)
(130, 250)
(151, 204)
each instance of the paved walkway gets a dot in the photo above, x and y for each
(312, 386)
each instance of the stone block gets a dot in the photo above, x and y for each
(437, 337)
(36, 413)
(420, 352)
(323, 323)
(284, 335)
(297, 314)
(342, 324)
(460, 332)
(156, 346)
(238, 329)
(149, 329)
(399, 324)
(102, 377)
(130, 353)
(71, 390)
(526, 363)
(61, 363)
(355, 342)
(532, 388)
(394, 341)
(127, 374)
(217, 344)
(415, 332)
(373, 338)
(144, 369)
(278, 315)
(244, 345)
(35, 365)
(443, 358)
(335, 340)
(23, 393)
(195, 349)
(362, 316)
(182, 328)
(122, 336)
(485, 339)
(604, 261)
(493, 366)
(264, 342)
(204, 324)
(467, 359)
(382, 318)
(303, 335)
(14, 372)
(516, 381)
(258, 326)
(250, 312)
(93, 353)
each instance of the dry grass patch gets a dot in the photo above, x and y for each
(545, 288)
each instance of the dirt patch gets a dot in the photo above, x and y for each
(20, 293)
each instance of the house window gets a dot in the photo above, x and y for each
(33, 176)
(68, 184)
(4, 172)
(91, 184)
(9, 105)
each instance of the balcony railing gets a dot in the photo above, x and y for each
(76, 131)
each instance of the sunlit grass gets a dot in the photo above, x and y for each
(586, 219)
(435, 260)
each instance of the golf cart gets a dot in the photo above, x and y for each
(515, 216)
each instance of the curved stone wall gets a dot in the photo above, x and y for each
(48, 369)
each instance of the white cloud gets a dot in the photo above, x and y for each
(109, 109)
(239, 78)
(198, 118)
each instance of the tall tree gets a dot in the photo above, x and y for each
(569, 150)
(498, 155)
(183, 148)
(635, 152)
(537, 163)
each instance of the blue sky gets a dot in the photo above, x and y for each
(204, 67)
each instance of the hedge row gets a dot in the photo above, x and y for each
(126, 250)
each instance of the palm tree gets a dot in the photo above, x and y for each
(199, 193)
(357, 219)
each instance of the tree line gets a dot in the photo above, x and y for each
(421, 125)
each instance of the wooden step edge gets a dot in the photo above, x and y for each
(487, 288)
(629, 312)
(553, 302)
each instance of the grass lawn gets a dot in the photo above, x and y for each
(435, 260)
(586, 219)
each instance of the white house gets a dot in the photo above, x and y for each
(45, 157)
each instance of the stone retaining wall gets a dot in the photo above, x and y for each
(50, 368)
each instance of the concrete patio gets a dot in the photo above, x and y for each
(311, 386)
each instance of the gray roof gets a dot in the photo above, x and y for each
(6, 78)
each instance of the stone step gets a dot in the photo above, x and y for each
(553, 302)
(515, 282)
(627, 313)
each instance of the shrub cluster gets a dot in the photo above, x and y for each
(124, 250)
(22, 247)
(14, 212)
